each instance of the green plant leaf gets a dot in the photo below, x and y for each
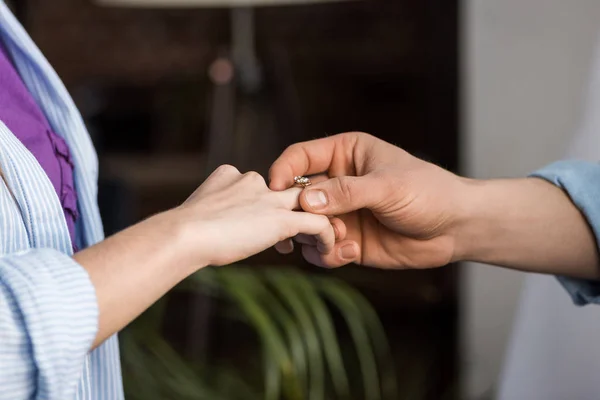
(158, 372)
(297, 335)
(288, 291)
(307, 290)
(389, 384)
(293, 334)
(138, 379)
(345, 302)
(245, 288)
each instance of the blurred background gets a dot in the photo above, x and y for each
(170, 89)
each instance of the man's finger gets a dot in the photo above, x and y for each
(289, 198)
(342, 195)
(343, 253)
(308, 158)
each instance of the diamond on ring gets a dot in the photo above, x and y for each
(302, 181)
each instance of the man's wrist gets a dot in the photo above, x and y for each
(526, 224)
(471, 220)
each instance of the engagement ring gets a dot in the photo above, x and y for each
(302, 181)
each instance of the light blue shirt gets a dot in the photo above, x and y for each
(581, 181)
(48, 308)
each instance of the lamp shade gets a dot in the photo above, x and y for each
(206, 3)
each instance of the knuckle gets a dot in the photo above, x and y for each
(255, 178)
(290, 231)
(324, 221)
(288, 226)
(326, 234)
(345, 190)
(359, 134)
(293, 151)
(226, 168)
(351, 138)
(292, 147)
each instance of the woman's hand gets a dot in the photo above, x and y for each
(228, 218)
(232, 216)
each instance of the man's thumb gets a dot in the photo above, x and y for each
(339, 195)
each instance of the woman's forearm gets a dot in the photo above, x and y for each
(133, 269)
(216, 225)
(527, 224)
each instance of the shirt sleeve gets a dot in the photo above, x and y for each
(581, 181)
(48, 321)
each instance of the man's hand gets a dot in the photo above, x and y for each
(398, 211)
(402, 212)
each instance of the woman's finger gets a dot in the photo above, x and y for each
(285, 246)
(343, 253)
(316, 225)
(288, 198)
(339, 228)
(306, 239)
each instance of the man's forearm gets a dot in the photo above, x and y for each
(526, 224)
(133, 269)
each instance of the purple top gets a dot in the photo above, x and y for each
(21, 114)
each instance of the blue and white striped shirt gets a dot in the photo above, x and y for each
(48, 308)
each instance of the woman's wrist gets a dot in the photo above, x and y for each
(186, 238)
(133, 268)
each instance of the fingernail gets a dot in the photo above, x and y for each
(322, 248)
(285, 247)
(316, 199)
(348, 252)
(336, 231)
